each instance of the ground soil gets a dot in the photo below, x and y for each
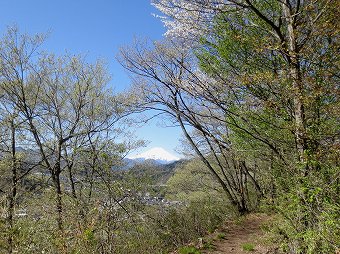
(237, 233)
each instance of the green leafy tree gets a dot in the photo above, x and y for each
(67, 118)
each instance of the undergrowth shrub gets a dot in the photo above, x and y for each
(163, 230)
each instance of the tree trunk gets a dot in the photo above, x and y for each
(236, 203)
(12, 195)
(252, 179)
(59, 206)
(69, 164)
(294, 72)
(56, 170)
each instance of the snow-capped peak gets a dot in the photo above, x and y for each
(157, 154)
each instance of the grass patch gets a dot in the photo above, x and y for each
(189, 250)
(208, 245)
(248, 247)
(240, 220)
(221, 236)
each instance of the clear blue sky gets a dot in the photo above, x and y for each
(97, 29)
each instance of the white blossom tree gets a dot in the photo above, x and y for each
(187, 19)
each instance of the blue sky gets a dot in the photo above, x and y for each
(96, 29)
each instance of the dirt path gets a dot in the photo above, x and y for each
(238, 235)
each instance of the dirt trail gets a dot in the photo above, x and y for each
(238, 234)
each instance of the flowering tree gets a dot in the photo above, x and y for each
(187, 19)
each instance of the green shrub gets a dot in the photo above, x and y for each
(309, 221)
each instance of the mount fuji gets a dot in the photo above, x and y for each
(156, 154)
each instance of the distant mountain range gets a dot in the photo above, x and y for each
(157, 154)
(154, 156)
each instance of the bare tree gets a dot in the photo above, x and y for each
(169, 81)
